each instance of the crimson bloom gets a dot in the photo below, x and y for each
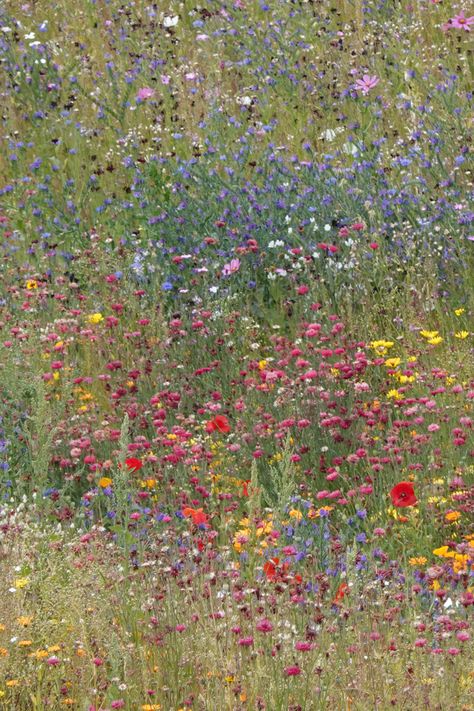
(219, 423)
(403, 495)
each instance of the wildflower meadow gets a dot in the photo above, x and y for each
(236, 355)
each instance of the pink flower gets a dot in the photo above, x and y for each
(264, 626)
(453, 651)
(231, 267)
(246, 641)
(366, 83)
(145, 92)
(459, 22)
(292, 671)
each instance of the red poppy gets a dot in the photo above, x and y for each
(342, 591)
(403, 495)
(133, 464)
(219, 423)
(274, 571)
(270, 568)
(198, 516)
(245, 487)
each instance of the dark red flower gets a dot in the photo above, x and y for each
(219, 423)
(403, 495)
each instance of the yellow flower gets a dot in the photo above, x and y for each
(95, 318)
(24, 620)
(31, 284)
(460, 563)
(294, 513)
(54, 648)
(462, 334)
(394, 394)
(149, 483)
(392, 362)
(421, 560)
(41, 654)
(429, 334)
(25, 643)
(381, 347)
(412, 359)
(458, 312)
(12, 682)
(435, 341)
(21, 583)
(452, 516)
(262, 364)
(151, 707)
(3, 652)
(104, 482)
(444, 552)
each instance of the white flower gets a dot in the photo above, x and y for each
(329, 134)
(171, 21)
(350, 149)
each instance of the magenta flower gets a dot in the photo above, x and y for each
(245, 641)
(264, 625)
(366, 83)
(459, 22)
(145, 92)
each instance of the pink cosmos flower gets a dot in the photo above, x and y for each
(459, 22)
(366, 83)
(145, 92)
(232, 267)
